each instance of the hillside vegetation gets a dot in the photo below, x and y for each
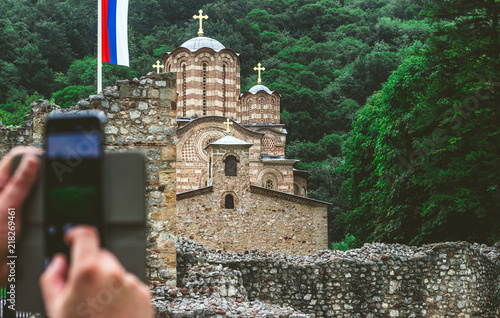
(329, 59)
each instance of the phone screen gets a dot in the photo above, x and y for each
(73, 149)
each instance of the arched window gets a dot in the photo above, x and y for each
(249, 109)
(224, 89)
(229, 202)
(204, 89)
(210, 167)
(270, 184)
(231, 166)
(296, 189)
(262, 110)
(184, 98)
(272, 110)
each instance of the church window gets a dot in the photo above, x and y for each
(224, 88)
(210, 167)
(231, 165)
(272, 110)
(229, 202)
(204, 89)
(268, 144)
(270, 184)
(184, 98)
(249, 109)
(262, 110)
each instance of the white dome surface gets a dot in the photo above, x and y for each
(200, 42)
(258, 88)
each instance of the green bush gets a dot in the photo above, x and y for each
(13, 113)
(348, 243)
(70, 95)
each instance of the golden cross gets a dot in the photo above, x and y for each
(228, 123)
(200, 17)
(258, 69)
(158, 66)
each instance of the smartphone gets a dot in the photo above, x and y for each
(73, 176)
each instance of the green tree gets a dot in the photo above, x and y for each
(421, 160)
(70, 95)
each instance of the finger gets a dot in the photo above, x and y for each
(18, 187)
(134, 284)
(53, 280)
(5, 164)
(83, 241)
(112, 263)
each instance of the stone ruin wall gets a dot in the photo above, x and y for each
(141, 117)
(377, 280)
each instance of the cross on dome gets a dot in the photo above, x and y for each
(259, 69)
(200, 17)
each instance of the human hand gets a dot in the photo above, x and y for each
(95, 285)
(13, 191)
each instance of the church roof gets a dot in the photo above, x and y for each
(258, 88)
(200, 42)
(231, 141)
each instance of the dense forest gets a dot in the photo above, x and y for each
(392, 105)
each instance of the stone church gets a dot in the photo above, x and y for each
(235, 188)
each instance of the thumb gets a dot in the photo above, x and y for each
(53, 280)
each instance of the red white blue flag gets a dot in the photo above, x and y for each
(114, 32)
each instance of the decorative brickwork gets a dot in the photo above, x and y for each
(262, 107)
(212, 77)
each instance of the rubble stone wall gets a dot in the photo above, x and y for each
(141, 117)
(377, 280)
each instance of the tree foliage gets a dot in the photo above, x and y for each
(423, 156)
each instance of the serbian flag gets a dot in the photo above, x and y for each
(114, 32)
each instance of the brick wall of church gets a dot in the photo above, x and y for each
(141, 117)
(257, 221)
(192, 160)
(261, 218)
(222, 81)
(261, 107)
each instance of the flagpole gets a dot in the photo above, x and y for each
(99, 46)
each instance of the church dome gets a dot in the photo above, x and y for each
(200, 42)
(258, 88)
